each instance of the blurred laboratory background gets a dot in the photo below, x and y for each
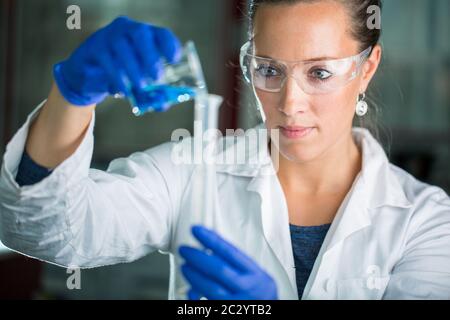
(411, 90)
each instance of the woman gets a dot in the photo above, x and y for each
(336, 221)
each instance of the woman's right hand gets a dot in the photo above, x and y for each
(124, 52)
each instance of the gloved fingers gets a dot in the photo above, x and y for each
(119, 26)
(224, 249)
(211, 266)
(194, 295)
(118, 82)
(246, 282)
(149, 55)
(168, 44)
(126, 61)
(132, 49)
(204, 285)
(260, 288)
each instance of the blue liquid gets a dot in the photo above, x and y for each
(159, 98)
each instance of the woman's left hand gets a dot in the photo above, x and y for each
(223, 272)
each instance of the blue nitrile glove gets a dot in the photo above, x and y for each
(124, 52)
(225, 273)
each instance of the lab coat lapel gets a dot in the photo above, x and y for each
(275, 221)
(356, 218)
(271, 205)
(356, 215)
(375, 186)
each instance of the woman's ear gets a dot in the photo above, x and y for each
(370, 67)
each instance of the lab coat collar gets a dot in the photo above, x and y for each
(379, 182)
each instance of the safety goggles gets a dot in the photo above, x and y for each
(313, 77)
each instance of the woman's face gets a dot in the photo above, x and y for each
(302, 32)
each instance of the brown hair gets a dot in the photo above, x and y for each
(358, 8)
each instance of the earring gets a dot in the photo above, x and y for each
(361, 106)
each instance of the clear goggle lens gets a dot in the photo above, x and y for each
(313, 77)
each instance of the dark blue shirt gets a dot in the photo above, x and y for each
(306, 244)
(306, 241)
(29, 172)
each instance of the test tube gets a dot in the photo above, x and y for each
(206, 116)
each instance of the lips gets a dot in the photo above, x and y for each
(295, 128)
(295, 132)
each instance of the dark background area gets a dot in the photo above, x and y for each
(411, 89)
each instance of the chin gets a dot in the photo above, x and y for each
(298, 154)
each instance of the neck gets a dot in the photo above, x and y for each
(331, 173)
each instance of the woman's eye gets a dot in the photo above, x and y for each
(267, 71)
(320, 74)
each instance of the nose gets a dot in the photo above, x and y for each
(293, 98)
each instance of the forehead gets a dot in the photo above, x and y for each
(304, 31)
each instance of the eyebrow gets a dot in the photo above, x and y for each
(252, 39)
(307, 60)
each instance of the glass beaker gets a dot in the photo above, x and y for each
(180, 82)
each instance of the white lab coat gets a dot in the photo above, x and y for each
(390, 238)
